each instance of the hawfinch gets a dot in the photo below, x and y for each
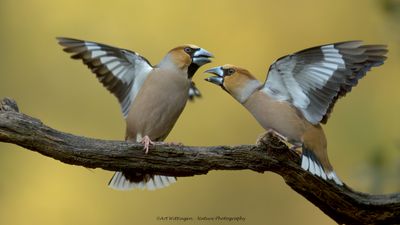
(151, 97)
(300, 92)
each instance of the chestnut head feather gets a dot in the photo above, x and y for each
(237, 81)
(188, 58)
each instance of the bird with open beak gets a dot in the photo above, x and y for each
(151, 97)
(299, 94)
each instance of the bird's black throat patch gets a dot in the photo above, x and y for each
(192, 70)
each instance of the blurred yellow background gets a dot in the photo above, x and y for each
(363, 132)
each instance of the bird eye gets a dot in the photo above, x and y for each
(188, 50)
(231, 71)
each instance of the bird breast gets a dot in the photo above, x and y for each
(158, 105)
(277, 115)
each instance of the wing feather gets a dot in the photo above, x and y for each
(313, 79)
(121, 71)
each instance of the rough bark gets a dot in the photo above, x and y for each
(341, 203)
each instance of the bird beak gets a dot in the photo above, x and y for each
(219, 78)
(202, 56)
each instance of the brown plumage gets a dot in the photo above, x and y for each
(157, 108)
(300, 92)
(151, 97)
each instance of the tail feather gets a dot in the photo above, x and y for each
(124, 181)
(332, 176)
(309, 162)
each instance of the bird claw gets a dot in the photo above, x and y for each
(146, 141)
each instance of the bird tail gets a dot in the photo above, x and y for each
(310, 162)
(128, 180)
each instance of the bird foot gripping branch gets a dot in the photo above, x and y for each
(146, 143)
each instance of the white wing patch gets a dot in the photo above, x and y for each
(98, 53)
(90, 46)
(107, 59)
(118, 71)
(331, 54)
(275, 86)
(296, 92)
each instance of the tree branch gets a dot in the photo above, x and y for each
(341, 203)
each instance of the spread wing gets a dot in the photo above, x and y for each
(313, 79)
(121, 71)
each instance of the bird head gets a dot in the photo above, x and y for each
(237, 81)
(189, 57)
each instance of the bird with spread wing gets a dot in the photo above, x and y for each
(151, 97)
(300, 92)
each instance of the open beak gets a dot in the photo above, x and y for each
(202, 56)
(219, 78)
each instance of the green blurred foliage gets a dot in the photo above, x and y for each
(65, 95)
(380, 172)
(392, 7)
